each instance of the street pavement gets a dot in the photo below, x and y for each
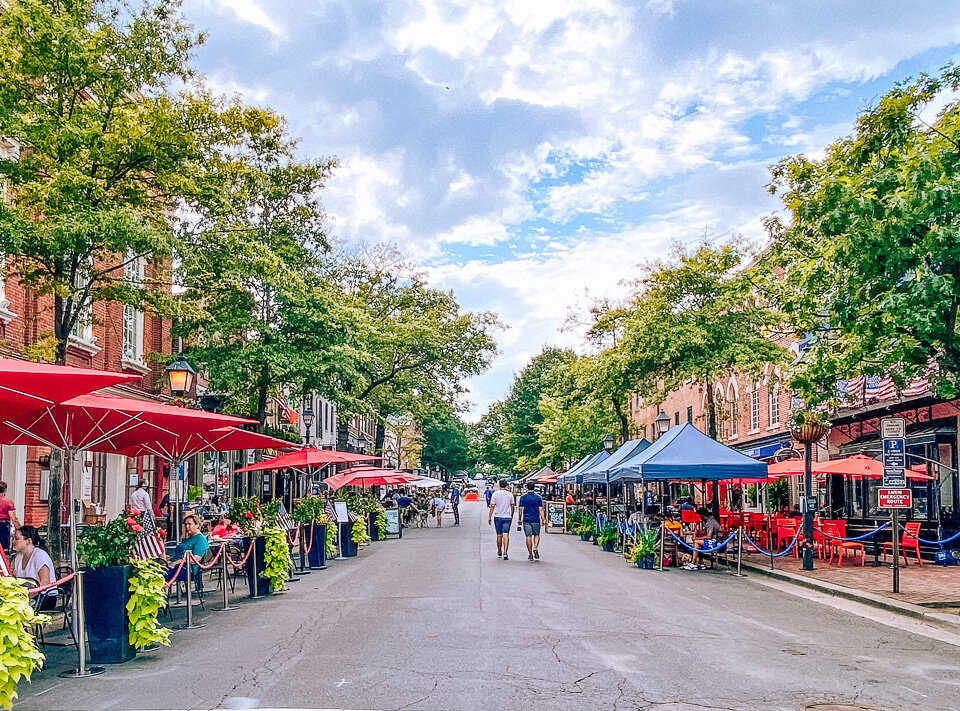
(436, 621)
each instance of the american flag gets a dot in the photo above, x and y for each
(288, 412)
(886, 389)
(148, 543)
(283, 519)
(872, 388)
(855, 390)
(916, 386)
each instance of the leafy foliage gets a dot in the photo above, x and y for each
(359, 533)
(19, 655)
(608, 534)
(646, 544)
(247, 514)
(309, 509)
(445, 443)
(381, 523)
(869, 262)
(147, 598)
(276, 556)
(110, 544)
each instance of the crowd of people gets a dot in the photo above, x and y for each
(419, 506)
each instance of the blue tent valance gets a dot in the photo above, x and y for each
(686, 454)
(574, 475)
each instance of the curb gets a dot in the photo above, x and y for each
(907, 609)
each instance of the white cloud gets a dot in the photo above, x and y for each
(249, 11)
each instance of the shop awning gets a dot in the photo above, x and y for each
(766, 450)
(686, 454)
(925, 435)
(366, 477)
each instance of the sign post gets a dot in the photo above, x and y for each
(895, 499)
(893, 430)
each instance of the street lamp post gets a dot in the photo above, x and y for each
(661, 424)
(608, 446)
(808, 433)
(183, 379)
(307, 416)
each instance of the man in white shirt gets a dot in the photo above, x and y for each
(502, 507)
(438, 505)
(140, 499)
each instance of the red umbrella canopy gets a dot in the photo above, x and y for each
(34, 385)
(225, 439)
(309, 457)
(856, 465)
(788, 467)
(106, 423)
(368, 476)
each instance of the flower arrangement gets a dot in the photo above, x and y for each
(247, 514)
(147, 597)
(19, 656)
(110, 544)
(802, 416)
(359, 534)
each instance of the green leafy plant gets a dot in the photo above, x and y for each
(247, 514)
(381, 523)
(752, 494)
(194, 493)
(110, 544)
(359, 503)
(331, 537)
(276, 556)
(19, 655)
(608, 534)
(778, 495)
(359, 534)
(586, 527)
(309, 509)
(147, 597)
(800, 417)
(646, 544)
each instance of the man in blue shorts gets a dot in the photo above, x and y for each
(534, 515)
(502, 507)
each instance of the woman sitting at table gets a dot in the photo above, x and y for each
(225, 528)
(195, 542)
(33, 561)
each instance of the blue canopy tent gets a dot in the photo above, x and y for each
(574, 475)
(686, 454)
(597, 473)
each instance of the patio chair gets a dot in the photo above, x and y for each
(786, 530)
(841, 547)
(909, 539)
(66, 594)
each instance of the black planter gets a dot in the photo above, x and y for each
(105, 595)
(584, 536)
(347, 547)
(255, 565)
(372, 527)
(608, 547)
(318, 551)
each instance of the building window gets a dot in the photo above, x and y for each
(690, 414)
(773, 401)
(734, 417)
(754, 410)
(98, 489)
(676, 417)
(133, 273)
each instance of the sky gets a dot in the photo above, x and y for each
(530, 155)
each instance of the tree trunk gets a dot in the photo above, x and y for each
(711, 411)
(624, 421)
(60, 333)
(54, 505)
(380, 437)
(262, 386)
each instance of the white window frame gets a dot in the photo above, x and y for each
(131, 330)
(754, 409)
(773, 403)
(734, 419)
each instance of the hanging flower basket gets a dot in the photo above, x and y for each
(808, 426)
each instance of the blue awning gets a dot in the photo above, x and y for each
(574, 475)
(597, 474)
(766, 450)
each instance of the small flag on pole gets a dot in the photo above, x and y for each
(148, 544)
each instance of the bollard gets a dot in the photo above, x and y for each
(739, 572)
(291, 577)
(256, 579)
(662, 536)
(304, 569)
(79, 620)
(223, 579)
(188, 566)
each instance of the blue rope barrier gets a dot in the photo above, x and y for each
(934, 543)
(714, 549)
(782, 553)
(855, 538)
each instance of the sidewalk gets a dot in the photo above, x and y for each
(928, 591)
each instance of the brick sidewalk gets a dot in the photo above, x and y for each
(928, 585)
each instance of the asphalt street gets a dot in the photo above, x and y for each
(436, 621)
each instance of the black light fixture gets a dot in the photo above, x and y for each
(662, 423)
(308, 417)
(182, 377)
(608, 442)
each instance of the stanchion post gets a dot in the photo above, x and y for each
(188, 566)
(739, 572)
(253, 558)
(79, 619)
(223, 580)
(663, 534)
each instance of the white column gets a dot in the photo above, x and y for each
(116, 485)
(14, 472)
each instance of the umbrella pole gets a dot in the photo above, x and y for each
(79, 618)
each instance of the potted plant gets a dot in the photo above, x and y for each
(248, 515)
(644, 551)
(19, 656)
(808, 425)
(147, 597)
(380, 524)
(105, 553)
(311, 512)
(607, 536)
(585, 529)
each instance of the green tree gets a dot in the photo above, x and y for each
(869, 261)
(251, 263)
(487, 442)
(445, 442)
(697, 316)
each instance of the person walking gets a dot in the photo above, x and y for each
(534, 515)
(8, 517)
(488, 492)
(455, 504)
(140, 499)
(502, 507)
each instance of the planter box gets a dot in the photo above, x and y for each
(584, 536)
(106, 592)
(318, 551)
(348, 548)
(372, 527)
(646, 562)
(608, 547)
(255, 565)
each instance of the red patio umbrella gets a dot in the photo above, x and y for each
(365, 477)
(308, 457)
(33, 385)
(788, 467)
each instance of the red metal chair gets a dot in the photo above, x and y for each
(841, 547)
(786, 530)
(909, 539)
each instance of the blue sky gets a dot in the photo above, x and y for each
(529, 155)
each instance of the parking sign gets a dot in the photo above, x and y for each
(894, 453)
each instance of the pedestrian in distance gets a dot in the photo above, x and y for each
(438, 505)
(502, 507)
(455, 504)
(140, 499)
(534, 515)
(8, 517)
(487, 494)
